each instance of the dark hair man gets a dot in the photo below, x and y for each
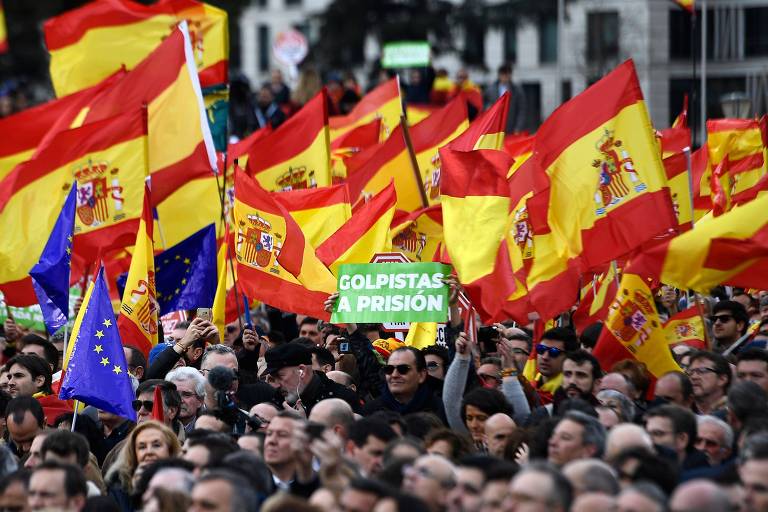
(368, 438)
(581, 377)
(576, 436)
(753, 470)
(35, 345)
(24, 419)
(710, 376)
(752, 364)
(28, 375)
(308, 329)
(673, 427)
(551, 350)
(56, 486)
(729, 322)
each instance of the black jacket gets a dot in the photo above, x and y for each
(251, 394)
(367, 364)
(425, 400)
(321, 387)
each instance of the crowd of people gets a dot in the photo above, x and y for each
(298, 414)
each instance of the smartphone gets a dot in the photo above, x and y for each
(486, 337)
(205, 314)
(343, 347)
(314, 429)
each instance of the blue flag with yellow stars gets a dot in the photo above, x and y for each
(185, 274)
(96, 372)
(50, 275)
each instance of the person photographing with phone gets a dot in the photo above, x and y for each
(291, 366)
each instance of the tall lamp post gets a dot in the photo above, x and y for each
(736, 105)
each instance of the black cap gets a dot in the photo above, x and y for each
(283, 356)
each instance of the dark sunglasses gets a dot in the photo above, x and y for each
(402, 369)
(489, 378)
(138, 404)
(552, 351)
(721, 318)
(433, 365)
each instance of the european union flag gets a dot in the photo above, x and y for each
(96, 371)
(185, 274)
(50, 276)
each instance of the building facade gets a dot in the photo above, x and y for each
(595, 36)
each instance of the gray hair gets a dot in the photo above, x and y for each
(185, 373)
(755, 448)
(561, 492)
(594, 475)
(216, 349)
(184, 480)
(651, 491)
(594, 432)
(723, 426)
(628, 409)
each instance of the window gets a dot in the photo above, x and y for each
(566, 90)
(602, 36)
(755, 33)
(548, 39)
(532, 92)
(292, 3)
(510, 44)
(263, 47)
(474, 44)
(680, 26)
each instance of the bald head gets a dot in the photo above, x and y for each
(335, 414)
(700, 495)
(616, 382)
(342, 378)
(626, 435)
(592, 501)
(589, 476)
(498, 430)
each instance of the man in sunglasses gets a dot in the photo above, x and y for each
(729, 323)
(405, 374)
(551, 351)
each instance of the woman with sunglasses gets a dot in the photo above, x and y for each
(148, 442)
(468, 415)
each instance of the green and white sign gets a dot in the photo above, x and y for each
(392, 292)
(405, 54)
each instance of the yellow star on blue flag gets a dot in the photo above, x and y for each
(95, 359)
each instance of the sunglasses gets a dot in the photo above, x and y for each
(721, 318)
(552, 351)
(433, 365)
(489, 378)
(138, 404)
(402, 369)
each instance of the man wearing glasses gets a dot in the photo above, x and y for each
(551, 352)
(406, 392)
(710, 376)
(729, 323)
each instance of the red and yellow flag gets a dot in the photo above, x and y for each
(418, 235)
(319, 212)
(633, 330)
(139, 309)
(297, 154)
(687, 328)
(21, 133)
(603, 192)
(519, 147)
(676, 168)
(351, 143)
(487, 130)
(594, 305)
(3, 31)
(275, 264)
(225, 305)
(476, 203)
(363, 235)
(108, 160)
(729, 249)
(383, 102)
(89, 43)
(688, 5)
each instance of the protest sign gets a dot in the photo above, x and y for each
(405, 54)
(392, 292)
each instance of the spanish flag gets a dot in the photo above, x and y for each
(89, 43)
(633, 330)
(180, 144)
(3, 31)
(362, 236)
(487, 130)
(383, 102)
(225, 301)
(21, 133)
(729, 249)
(351, 143)
(603, 190)
(319, 212)
(701, 172)
(421, 335)
(476, 204)
(519, 147)
(676, 168)
(108, 160)
(371, 170)
(139, 309)
(297, 154)
(418, 235)
(275, 264)
(176, 221)
(687, 328)
(593, 307)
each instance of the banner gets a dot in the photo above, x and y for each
(392, 292)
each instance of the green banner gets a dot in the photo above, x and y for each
(392, 292)
(405, 54)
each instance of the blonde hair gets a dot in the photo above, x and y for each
(309, 85)
(122, 470)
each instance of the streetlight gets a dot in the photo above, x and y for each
(736, 105)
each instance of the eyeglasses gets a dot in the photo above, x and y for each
(402, 369)
(488, 377)
(699, 371)
(138, 404)
(552, 351)
(433, 365)
(721, 318)
(709, 443)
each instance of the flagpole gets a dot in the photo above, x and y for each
(414, 163)
(687, 153)
(703, 100)
(74, 416)
(692, 89)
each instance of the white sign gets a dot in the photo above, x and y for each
(290, 47)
